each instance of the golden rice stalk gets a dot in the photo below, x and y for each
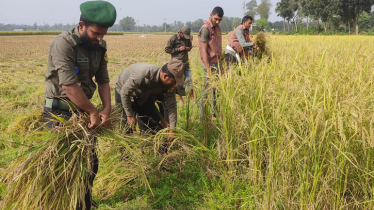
(26, 123)
(53, 175)
(261, 45)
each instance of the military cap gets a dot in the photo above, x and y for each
(102, 13)
(176, 67)
(186, 32)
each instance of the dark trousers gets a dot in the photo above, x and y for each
(215, 70)
(66, 114)
(147, 114)
(230, 60)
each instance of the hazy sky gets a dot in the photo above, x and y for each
(149, 12)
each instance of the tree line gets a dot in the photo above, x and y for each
(297, 15)
(128, 24)
(36, 27)
(332, 13)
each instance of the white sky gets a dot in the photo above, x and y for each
(149, 12)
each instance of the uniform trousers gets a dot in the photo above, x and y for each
(230, 60)
(147, 115)
(215, 71)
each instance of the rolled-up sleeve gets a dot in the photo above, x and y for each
(63, 58)
(205, 35)
(170, 46)
(171, 108)
(240, 36)
(131, 86)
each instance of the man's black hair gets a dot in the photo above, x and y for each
(88, 23)
(246, 18)
(218, 11)
(166, 70)
(85, 21)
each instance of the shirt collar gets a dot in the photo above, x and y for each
(211, 24)
(156, 77)
(76, 32)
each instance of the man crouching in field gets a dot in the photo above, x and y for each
(75, 57)
(239, 45)
(138, 87)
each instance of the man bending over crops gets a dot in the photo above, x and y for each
(240, 45)
(178, 46)
(140, 85)
(210, 46)
(75, 57)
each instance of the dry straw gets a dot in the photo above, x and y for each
(261, 45)
(52, 175)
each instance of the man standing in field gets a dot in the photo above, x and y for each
(210, 46)
(178, 46)
(239, 45)
(75, 57)
(138, 87)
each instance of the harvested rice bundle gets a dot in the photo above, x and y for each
(261, 45)
(53, 175)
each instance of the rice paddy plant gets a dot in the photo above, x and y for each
(294, 131)
(261, 46)
(26, 123)
(52, 173)
(134, 158)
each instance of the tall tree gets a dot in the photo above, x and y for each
(196, 25)
(177, 25)
(262, 23)
(322, 10)
(252, 8)
(225, 24)
(284, 10)
(127, 24)
(264, 9)
(350, 10)
(366, 20)
(306, 10)
(166, 27)
(236, 22)
(293, 8)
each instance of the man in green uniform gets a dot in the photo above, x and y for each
(75, 57)
(178, 46)
(138, 87)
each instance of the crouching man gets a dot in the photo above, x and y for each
(240, 44)
(140, 85)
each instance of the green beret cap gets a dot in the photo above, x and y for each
(102, 13)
